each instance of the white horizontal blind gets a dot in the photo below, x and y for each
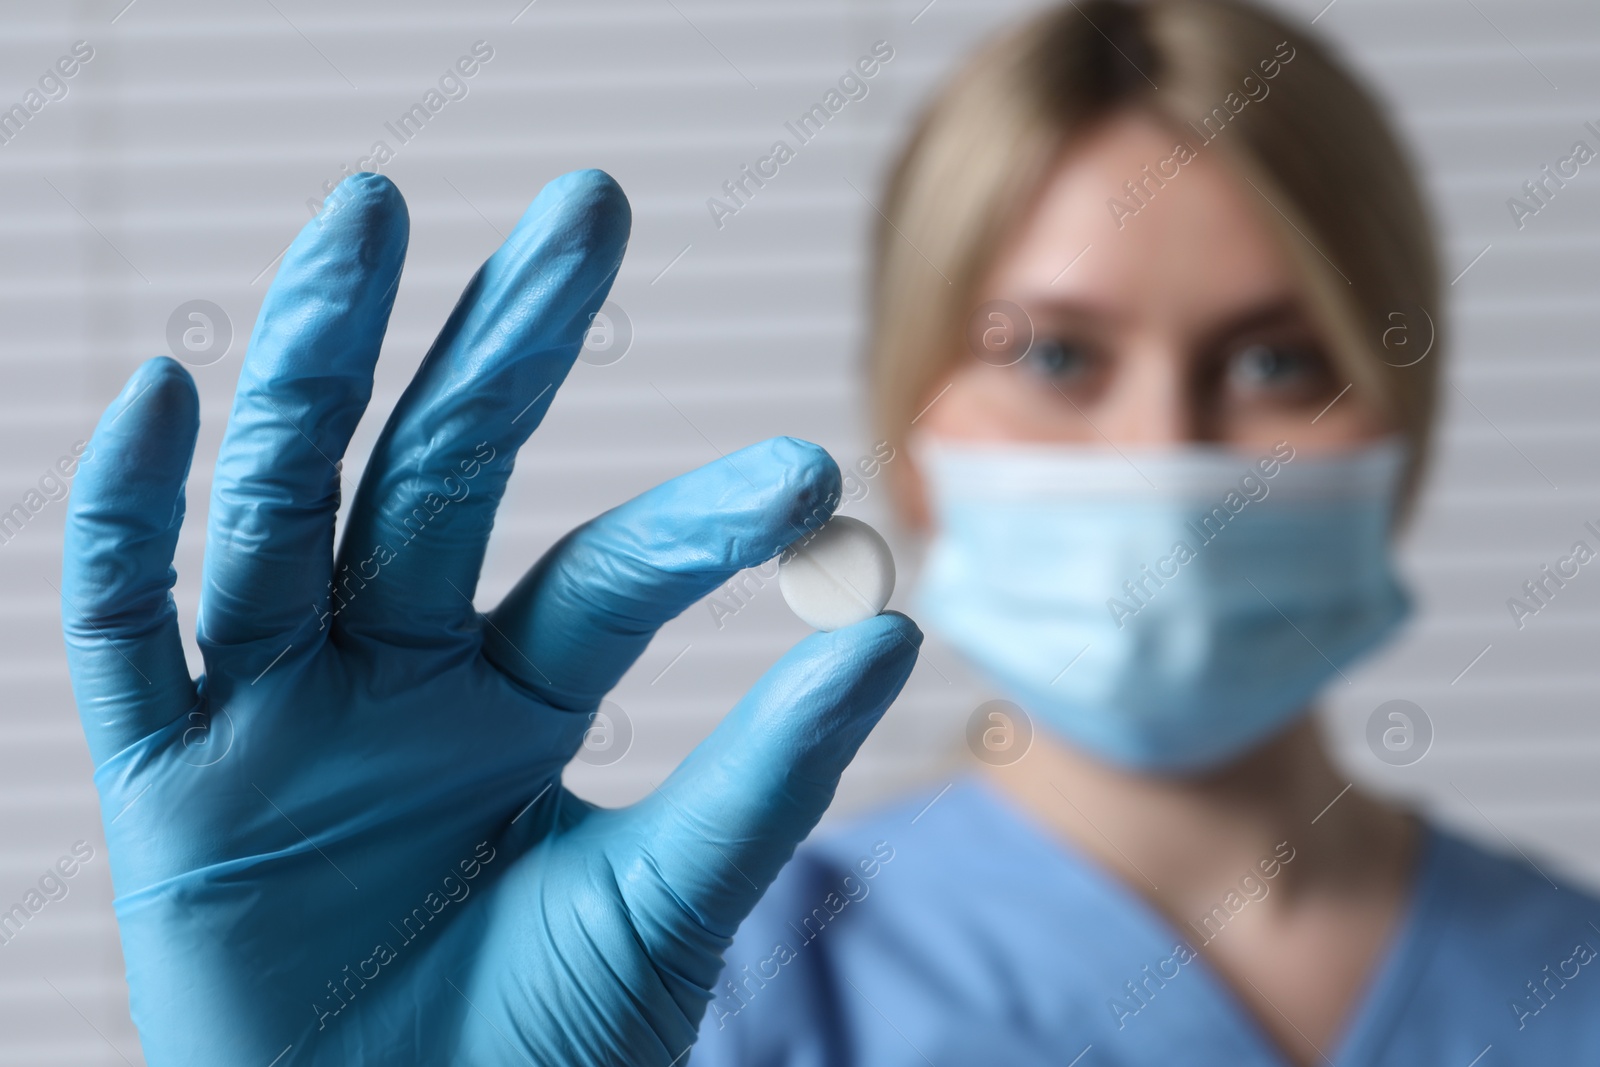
(178, 164)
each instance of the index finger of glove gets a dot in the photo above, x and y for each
(584, 612)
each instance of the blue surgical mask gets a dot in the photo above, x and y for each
(1161, 609)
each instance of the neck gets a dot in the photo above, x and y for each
(1182, 841)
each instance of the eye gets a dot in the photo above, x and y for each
(1059, 361)
(1277, 367)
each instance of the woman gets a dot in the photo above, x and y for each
(1160, 464)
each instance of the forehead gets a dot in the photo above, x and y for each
(1195, 250)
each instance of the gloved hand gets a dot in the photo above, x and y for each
(348, 842)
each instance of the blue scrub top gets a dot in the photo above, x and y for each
(962, 934)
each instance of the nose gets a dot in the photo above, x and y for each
(1149, 402)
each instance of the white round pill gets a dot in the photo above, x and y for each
(839, 576)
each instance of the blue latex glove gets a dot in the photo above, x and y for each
(348, 842)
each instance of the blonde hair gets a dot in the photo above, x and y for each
(1316, 146)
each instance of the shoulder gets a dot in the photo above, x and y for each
(1504, 896)
(1503, 950)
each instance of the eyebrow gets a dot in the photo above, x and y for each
(1271, 313)
(1275, 313)
(1065, 308)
